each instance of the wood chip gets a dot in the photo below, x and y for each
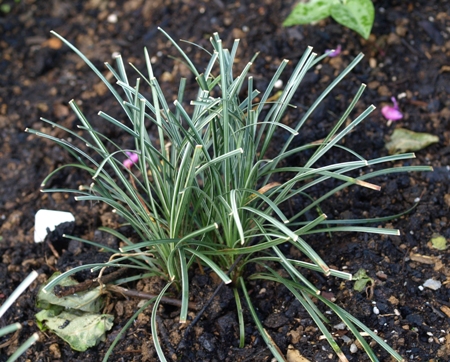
(424, 259)
(446, 310)
(393, 300)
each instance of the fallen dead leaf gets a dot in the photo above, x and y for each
(403, 140)
(294, 355)
(295, 336)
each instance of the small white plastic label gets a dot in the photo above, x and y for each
(49, 219)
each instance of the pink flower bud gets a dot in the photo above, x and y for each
(392, 113)
(132, 159)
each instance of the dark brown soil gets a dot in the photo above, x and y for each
(408, 52)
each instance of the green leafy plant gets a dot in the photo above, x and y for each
(208, 191)
(16, 326)
(357, 15)
(362, 280)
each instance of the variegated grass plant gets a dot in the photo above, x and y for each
(206, 192)
(16, 326)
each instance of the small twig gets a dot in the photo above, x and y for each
(411, 48)
(12, 339)
(50, 245)
(142, 295)
(198, 316)
(61, 291)
(165, 337)
(52, 249)
(207, 304)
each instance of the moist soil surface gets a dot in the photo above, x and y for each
(407, 56)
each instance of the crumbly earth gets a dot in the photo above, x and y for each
(407, 54)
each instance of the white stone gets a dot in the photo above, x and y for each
(340, 326)
(49, 219)
(432, 284)
(112, 18)
(346, 339)
(278, 84)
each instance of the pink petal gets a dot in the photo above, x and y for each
(132, 156)
(132, 159)
(334, 52)
(128, 163)
(391, 113)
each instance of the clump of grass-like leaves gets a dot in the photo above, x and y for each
(206, 193)
(16, 326)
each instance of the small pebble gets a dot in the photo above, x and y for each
(278, 84)
(376, 310)
(112, 18)
(340, 326)
(353, 348)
